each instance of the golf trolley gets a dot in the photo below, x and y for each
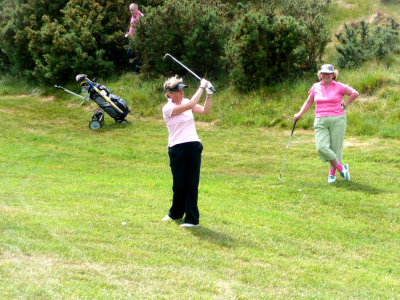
(113, 105)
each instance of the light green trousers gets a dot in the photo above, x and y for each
(329, 137)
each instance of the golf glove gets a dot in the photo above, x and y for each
(209, 89)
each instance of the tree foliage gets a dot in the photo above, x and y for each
(50, 40)
(311, 14)
(262, 50)
(192, 31)
(256, 42)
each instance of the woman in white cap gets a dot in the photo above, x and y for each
(184, 148)
(330, 118)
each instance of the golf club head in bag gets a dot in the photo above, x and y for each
(80, 78)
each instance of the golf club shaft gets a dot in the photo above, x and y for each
(287, 149)
(69, 92)
(187, 69)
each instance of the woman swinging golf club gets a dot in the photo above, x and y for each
(184, 147)
(330, 119)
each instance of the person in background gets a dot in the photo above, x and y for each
(330, 119)
(135, 14)
(184, 147)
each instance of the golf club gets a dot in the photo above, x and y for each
(187, 69)
(72, 93)
(280, 176)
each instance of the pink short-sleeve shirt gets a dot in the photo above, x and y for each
(181, 128)
(133, 20)
(328, 100)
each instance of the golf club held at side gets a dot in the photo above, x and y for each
(294, 125)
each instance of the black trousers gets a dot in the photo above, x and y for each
(185, 161)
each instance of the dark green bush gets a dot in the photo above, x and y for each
(4, 63)
(359, 43)
(263, 49)
(311, 14)
(193, 32)
(52, 40)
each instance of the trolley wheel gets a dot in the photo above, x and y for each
(94, 125)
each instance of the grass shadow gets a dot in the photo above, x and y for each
(359, 187)
(214, 237)
(111, 125)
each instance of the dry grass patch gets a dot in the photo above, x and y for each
(361, 144)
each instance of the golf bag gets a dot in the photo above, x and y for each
(117, 109)
(113, 105)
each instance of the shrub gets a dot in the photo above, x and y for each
(262, 50)
(193, 32)
(50, 40)
(4, 63)
(311, 14)
(71, 45)
(359, 43)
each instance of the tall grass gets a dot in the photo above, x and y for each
(374, 113)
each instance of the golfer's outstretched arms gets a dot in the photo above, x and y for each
(193, 101)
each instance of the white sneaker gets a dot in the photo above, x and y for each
(331, 178)
(346, 172)
(167, 218)
(189, 225)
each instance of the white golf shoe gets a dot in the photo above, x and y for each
(331, 178)
(189, 225)
(346, 172)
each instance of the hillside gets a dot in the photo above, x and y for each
(375, 113)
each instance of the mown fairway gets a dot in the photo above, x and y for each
(80, 212)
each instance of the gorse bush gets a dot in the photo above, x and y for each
(361, 42)
(267, 47)
(192, 31)
(59, 49)
(311, 15)
(262, 49)
(4, 64)
(50, 41)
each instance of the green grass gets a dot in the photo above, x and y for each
(80, 211)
